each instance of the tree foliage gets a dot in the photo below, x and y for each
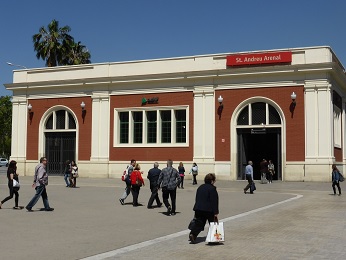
(5, 125)
(57, 47)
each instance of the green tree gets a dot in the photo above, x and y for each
(57, 47)
(5, 126)
(78, 54)
(52, 43)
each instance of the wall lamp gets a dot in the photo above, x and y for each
(293, 103)
(82, 105)
(30, 112)
(220, 108)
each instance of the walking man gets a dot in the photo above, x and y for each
(249, 176)
(127, 191)
(40, 183)
(168, 180)
(153, 176)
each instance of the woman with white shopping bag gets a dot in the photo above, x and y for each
(206, 206)
(13, 185)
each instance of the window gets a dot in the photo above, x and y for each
(151, 126)
(60, 120)
(137, 127)
(337, 126)
(259, 113)
(180, 127)
(166, 126)
(124, 127)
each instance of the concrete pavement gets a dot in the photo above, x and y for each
(283, 220)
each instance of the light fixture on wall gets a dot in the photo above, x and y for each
(293, 97)
(220, 108)
(30, 113)
(82, 105)
(293, 103)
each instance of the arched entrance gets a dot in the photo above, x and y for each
(259, 136)
(59, 131)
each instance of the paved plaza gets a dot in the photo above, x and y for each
(283, 220)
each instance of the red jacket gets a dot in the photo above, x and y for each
(134, 175)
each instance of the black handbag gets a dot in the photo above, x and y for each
(196, 225)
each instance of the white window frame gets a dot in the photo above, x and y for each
(173, 143)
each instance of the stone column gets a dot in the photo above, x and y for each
(204, 125)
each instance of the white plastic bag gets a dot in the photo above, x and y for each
(15, 184)
(216, 233)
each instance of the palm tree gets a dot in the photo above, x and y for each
(53, 43)
(78, 54)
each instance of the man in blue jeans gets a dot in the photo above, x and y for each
(249, 177)
(40, 183)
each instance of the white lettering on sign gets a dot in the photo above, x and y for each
(277, 57)
(252, 59)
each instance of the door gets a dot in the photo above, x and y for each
(257, 144)
(60, 147)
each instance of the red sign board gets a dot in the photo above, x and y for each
(259, 58)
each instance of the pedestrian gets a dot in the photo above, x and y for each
(12, 177)
(206, 206)
(168, 180)
(336, 179)
(74, 174)
(271, 171)
(181, 171)
(194, 171)
(264, 170)
(67, 172)
(136, 184)
(40, 183)
(249, 177)
(129, 170)
(153, 176)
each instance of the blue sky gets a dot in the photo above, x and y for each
(115, 30)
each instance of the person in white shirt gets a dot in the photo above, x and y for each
(249, 176)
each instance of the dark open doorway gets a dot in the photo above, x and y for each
(256, 144)
(60, 146)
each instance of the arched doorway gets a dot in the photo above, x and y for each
(259, 136)
(59, 132)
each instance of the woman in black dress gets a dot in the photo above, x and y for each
(11, 176)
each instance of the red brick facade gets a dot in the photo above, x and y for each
(295, 128)
(40, 106)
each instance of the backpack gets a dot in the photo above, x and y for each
(126, 176)
(123, 177)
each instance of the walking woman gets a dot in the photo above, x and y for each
(181, 171)
(336, 179)
(11, 176)
(206, 206)
(194, 171)
(74, 174)
(136, 183)
(271, 171)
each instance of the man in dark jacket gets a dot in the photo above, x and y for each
(168, 180)
(206, 206)
(153, 176)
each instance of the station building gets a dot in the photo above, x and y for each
(219, 111)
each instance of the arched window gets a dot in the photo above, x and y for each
(259, 113)
(60, 120)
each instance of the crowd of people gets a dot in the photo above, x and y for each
(206, 206)
(168, 180)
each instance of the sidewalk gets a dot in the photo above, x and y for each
(283, 220)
